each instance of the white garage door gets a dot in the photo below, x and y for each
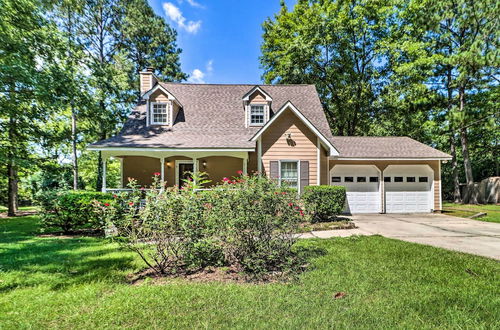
(362, 186)
(408, 188)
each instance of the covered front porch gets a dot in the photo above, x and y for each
(173, 165)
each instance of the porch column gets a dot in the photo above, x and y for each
(245, 164)
(104, 164)
(121, 172)
(195, 167)
(162, 172)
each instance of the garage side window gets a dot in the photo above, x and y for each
(374, 179)
(423, 179)
(361, 179)
(410, 179)
(348, 179)
(398, 179)
(336, 179)
(387, 179)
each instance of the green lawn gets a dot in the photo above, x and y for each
(80, 283)
(466, 210)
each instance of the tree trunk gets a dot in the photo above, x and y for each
(454, 168)
(13, 177)
(12, 188)
(465, 149)
(72, 105)
(100, 171)
(73, 142)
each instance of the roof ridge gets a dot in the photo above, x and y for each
(251, 85)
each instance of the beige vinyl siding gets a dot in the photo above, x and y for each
(434, 164)
(257, 97)
(158, 96)
(276, 147)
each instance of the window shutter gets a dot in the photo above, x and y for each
(266, 113)
(274, 169)
(304, 174)
(247, 115)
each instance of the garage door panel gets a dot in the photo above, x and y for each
(361, 197)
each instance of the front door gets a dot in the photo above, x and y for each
(184, 173)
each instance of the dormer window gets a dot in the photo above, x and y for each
(160, 113)
(257, 115)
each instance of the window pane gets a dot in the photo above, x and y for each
(387, 179)
(398, 179)
(160, 113)
(410, 179)
(374, 179)
(257, 114)
(335, 178)
(423, 179)
(348, 179)
(289, 173)
(361, 179)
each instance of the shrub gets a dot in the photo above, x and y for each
(246, 222)
(71, 210)
(323, 203)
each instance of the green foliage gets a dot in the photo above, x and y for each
(247, 222)
(324, 203)
(71, 210)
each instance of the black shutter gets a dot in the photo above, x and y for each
(274, 169)
(304, 174)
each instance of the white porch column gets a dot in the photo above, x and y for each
(121, 172)
(195, 167)
(104, 164)
(245, 165)
(259, 155)
(162, 172)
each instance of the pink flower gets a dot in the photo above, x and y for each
(225, 179)
(301, 213)
(142, 188)
(283, 193)
(156, 173)
(131, 203)
(240, 172)
(106, 204)
(114, 196)
(290, 204)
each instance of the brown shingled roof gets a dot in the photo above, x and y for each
(384, 147)
(213, 117)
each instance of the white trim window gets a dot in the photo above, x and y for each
(289, 173)
(257, 114)
(160, 113)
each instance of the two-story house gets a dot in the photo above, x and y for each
(278, 130)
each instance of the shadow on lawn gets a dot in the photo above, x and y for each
(27, 260)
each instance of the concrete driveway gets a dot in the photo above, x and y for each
(469, 236)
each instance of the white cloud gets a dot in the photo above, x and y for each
(198, 77)
(175, 15)
(192, 3)
(210, 66)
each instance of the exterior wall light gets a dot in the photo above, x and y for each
(204, 163)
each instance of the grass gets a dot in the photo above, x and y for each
(79, 283)
(22, 208)
(467, 210)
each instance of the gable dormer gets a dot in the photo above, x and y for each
(257, 105)
(161, 107)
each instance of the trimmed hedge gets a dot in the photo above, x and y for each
(322, 203)
(71, 210)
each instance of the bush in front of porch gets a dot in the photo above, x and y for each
(247, 223)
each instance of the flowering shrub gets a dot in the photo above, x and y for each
(246, 222)
(71, 210)
(324, 203)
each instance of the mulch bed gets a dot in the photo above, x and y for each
(205, 275)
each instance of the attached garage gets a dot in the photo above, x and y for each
(362, 183)
(408, 188)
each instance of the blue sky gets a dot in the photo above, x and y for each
(220, 39)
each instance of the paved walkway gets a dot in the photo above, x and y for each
(452, 233)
